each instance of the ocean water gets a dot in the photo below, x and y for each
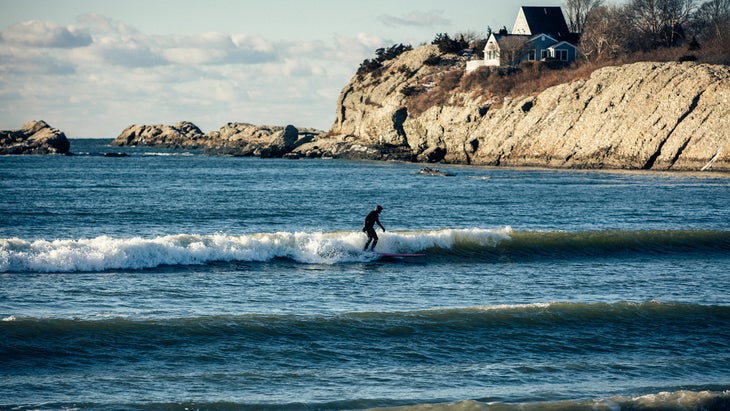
(168, 280)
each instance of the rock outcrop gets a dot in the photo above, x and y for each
(666, 116)
(180, 136)
(240, 139)
(35, 137)
(659, 116)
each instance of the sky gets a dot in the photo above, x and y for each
(91, 68)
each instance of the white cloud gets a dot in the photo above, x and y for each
(98, 25)
(255, 43)
(33, 62)
(36, 33)
(216, 48)
(115, 76)
(126, 52)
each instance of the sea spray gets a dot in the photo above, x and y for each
(495, 245)
(105, 253)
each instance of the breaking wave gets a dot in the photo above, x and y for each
(444, 245)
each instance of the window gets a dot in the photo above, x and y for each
(532, 54)
(544, 54)
(561, 55)
(491, 55)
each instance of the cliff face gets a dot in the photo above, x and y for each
(660, 116)
(640, 116)
(35, 137)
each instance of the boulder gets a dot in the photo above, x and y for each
(183, 134)
(35, 137)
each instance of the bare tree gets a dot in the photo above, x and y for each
(605, 36)
(470, 36)
(512, 49)
(578, 11)
(676, 15)
(661, 21)
(711, 21)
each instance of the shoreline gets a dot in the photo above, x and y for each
(441, 166)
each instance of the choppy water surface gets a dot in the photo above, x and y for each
(174, 280)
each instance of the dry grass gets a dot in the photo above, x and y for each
(495, 84)
(445, 84)
(534, 77)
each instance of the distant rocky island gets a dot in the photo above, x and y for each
(238, 139)
(34, 137)
(640, 116)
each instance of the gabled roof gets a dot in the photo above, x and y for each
(541, 35)
(508, 41)
(549, 20)
(562, 44)
(518, 40)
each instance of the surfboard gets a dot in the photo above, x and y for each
(397, 254)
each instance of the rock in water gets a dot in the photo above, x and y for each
(35, 137)
(183, 134)
(238, 139)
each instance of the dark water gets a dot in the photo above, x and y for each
(173, 280)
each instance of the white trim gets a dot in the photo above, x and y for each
(521, 26)
(564, 43)
(542, 37)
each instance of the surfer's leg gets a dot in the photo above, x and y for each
(373, 237)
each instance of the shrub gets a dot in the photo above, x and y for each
(392, 52)
(448, 45)
(368, 66)
(382, 55)
(433, 60)
(410, 91)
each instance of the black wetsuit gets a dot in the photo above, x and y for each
(372, 218)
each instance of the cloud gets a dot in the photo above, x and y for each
(36, 33)
(430, 18)
(217, 48)
(133, 53)
(33, 62)
(115, 76)
(100, 25)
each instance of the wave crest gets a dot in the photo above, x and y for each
(444, 245)
(106, 253)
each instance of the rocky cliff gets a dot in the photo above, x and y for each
(35, 137)
(659, 116)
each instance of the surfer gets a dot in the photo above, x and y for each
(369, 227)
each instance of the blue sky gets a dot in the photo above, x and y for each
(93, 67)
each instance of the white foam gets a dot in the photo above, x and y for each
(104, 253)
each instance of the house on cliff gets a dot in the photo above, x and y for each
(539, 34)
